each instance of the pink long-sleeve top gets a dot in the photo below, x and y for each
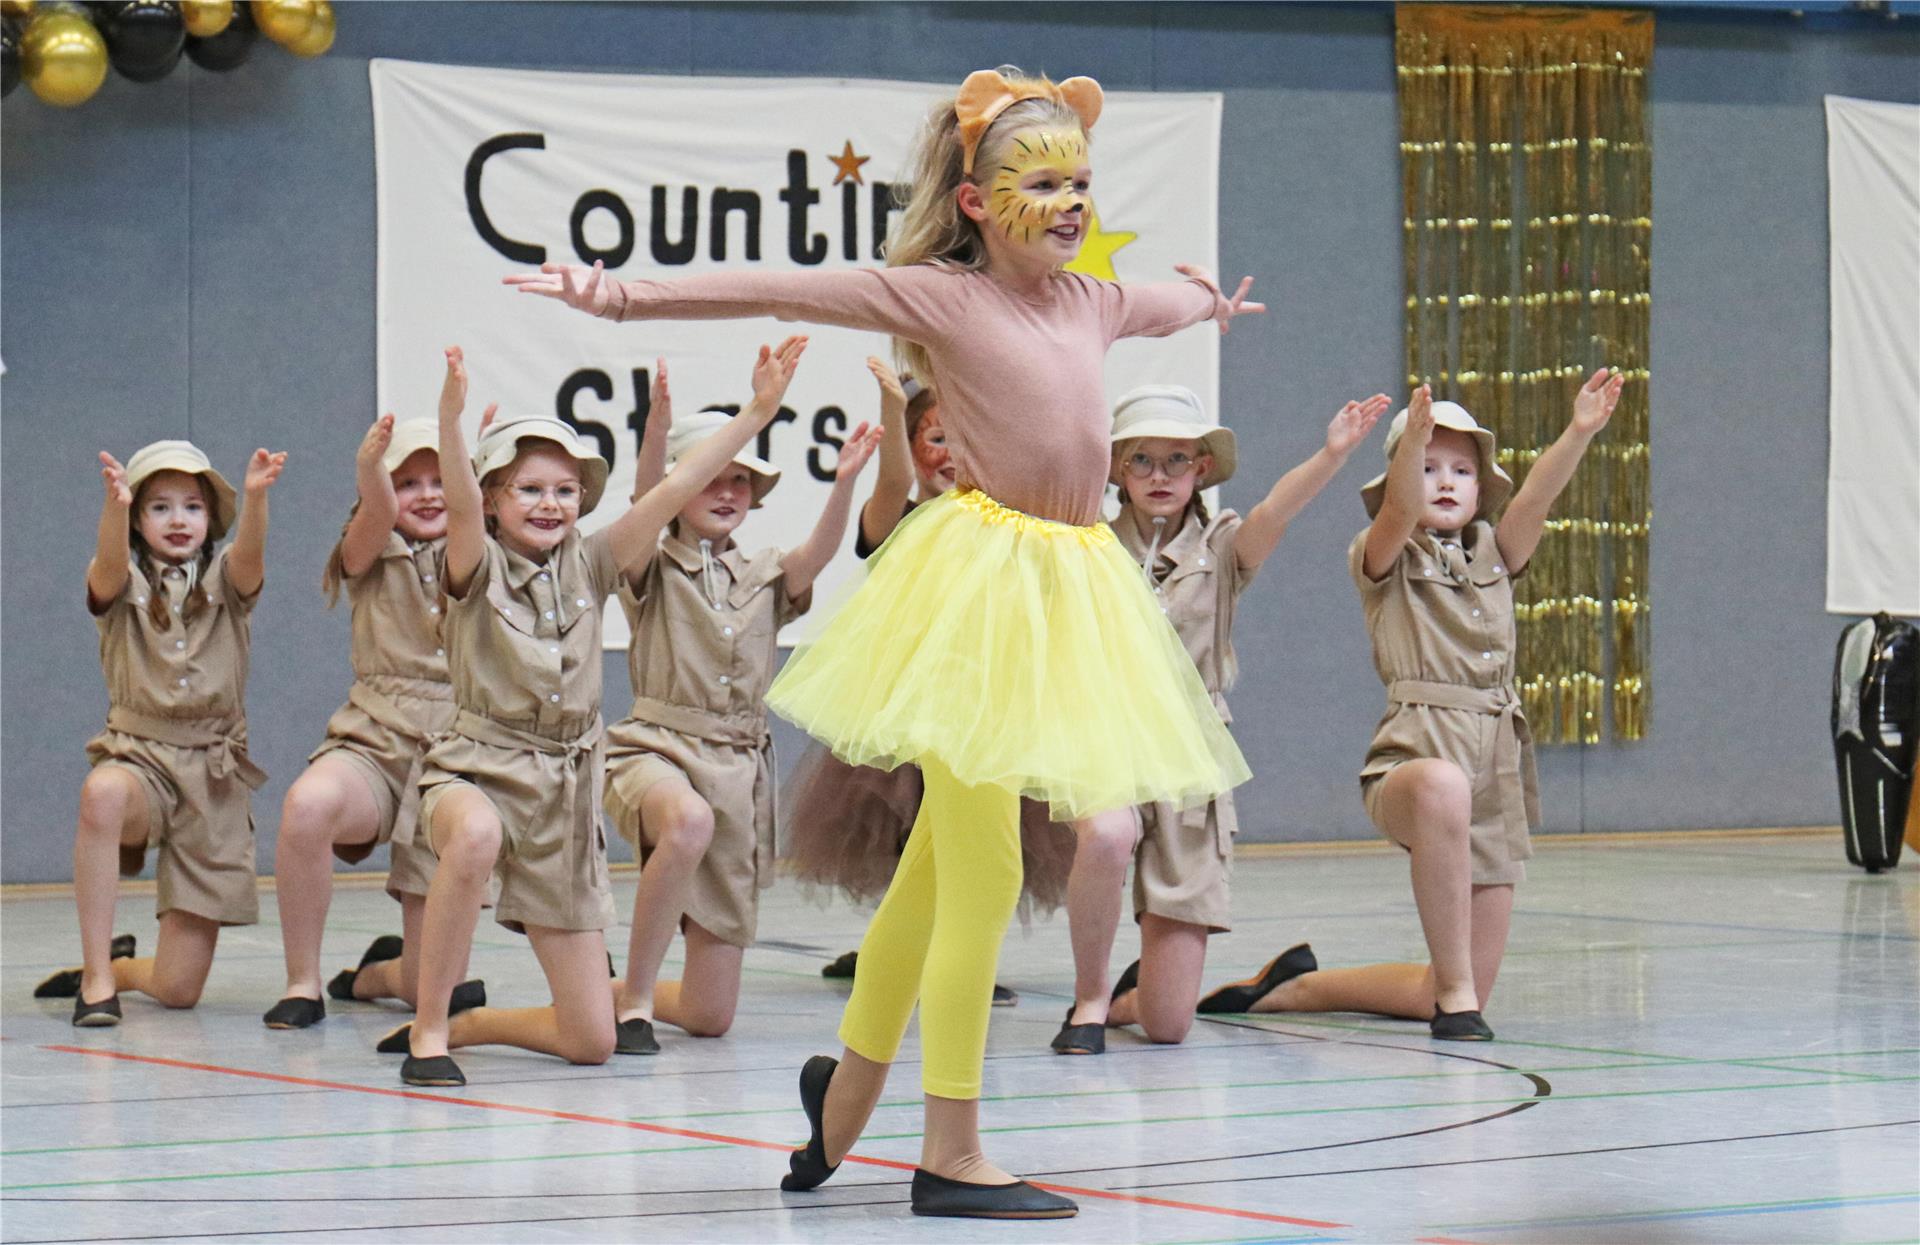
(1021, 392)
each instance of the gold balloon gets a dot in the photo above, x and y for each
(63, 58)
(283, 21)
(206, 18)
(319, 36)
(16, 8)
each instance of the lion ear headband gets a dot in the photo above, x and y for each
(985, 95)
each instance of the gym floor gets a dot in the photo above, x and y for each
(1701, 1038)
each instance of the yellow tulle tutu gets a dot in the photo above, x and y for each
(1017, 652)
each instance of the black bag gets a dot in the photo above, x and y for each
(1876, 727)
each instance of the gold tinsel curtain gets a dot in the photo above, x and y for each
(1528, 194)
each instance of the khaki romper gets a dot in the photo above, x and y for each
(177, 721)
(1442, 627)
(700, 666)
(1185, 856)
(400, 695)
(523, 648)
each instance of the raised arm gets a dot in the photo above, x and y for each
(1406, 491)
(107, 573)
(651, 466)
(372, 520)
(1267, 522)
(804, 562)
(894, 481)
(247, 559)
(1519, 531)
(632, 536)
(466, 513)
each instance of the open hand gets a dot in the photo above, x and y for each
(774, 369)
(584, 289)
(660, 401)
(1593, 405)
(1420, 417)
(373, 446)
(262, 470)
(893, 395)
(453, 390)
(858, 449)
(1354, 421)
(115, 477)
(1225, 308)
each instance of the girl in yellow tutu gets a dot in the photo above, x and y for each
(1001, 620)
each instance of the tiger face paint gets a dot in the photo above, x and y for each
(1039, 193)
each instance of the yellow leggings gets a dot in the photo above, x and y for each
(936, 937)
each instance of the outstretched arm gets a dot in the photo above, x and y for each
(466, 511)
(1406, 488)
(1526, 518)
(247, 560)
(894, 480)
(1267, 522)
(632, 536)
(651, 466)
(107, 573)
(372, 520)
(804, 562)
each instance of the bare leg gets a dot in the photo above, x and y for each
(950, 1146)
(397, 979)
(466, 837)
(176, 973)
(704, 999)
(1103, 847)
(851, 1097)
(1492, 915)
(677, 827)
(113, 814)
(1173, 958)
(328, 804)
(1428, 810)
(578, 1027)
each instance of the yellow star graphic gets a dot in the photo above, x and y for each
(848, 165)
(1096, 252)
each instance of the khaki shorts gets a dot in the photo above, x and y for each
(1498, 835)
(1182, 865)
(389, 761)
(736, 784)
(202, 827)
(552, 869)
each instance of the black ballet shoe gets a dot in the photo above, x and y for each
(610, 973)
(960, 1199)
(385, 947)
(432, 1070)
(634, 1037)
(1240, 997)
(1467, 1026)
(102, 1015)
(807, 1167)
(1003, 997)
(1129, 980)
(1073, 1039)
(466, 996)
(293, 1012)
(842, 967)
(65, 984)
(399, 1042)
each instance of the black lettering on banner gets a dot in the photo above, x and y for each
(888, 198)
(799, 197)
(602, 385)
(642, 405)
(725, 201)
(849, 221)
(681, 252)
(827, 421)
(622, 250)
(518, 252)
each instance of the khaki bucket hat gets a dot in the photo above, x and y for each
(410, 436)
(700, 425)
(501, 445)
(188, 457)
(1496, 486)
(1175, 412)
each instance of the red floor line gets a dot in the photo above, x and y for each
(666, 1130)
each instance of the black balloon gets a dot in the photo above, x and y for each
(144, 37)
(9, 56)
(230, 47)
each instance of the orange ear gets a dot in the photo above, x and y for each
(983, 96)
(1085, 97)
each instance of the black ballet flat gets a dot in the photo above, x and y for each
(65, 984)
(1240, 997)
(1073, 1039)
(842, 967)
(1003, 997)
(294, 1012)
(399, 1042)
(102, 1015)
(634, 1037)
(1129, 980)
(960, 1199)
(385, 947)
(466, 996)
(435, 1070)
(1460, 1026)
(807, 1167)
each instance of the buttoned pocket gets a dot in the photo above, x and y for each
(516, 613)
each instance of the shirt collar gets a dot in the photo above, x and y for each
(1176, 547)
(522, 571)
(685, 554)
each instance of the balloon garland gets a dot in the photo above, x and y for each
(62, 50)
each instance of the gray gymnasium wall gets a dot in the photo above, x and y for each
(197, 257)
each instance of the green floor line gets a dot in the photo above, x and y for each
(1810, 1202)
(358, 1167)
(234, 1141)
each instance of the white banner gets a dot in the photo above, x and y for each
(485, 171)
(1873, 466)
